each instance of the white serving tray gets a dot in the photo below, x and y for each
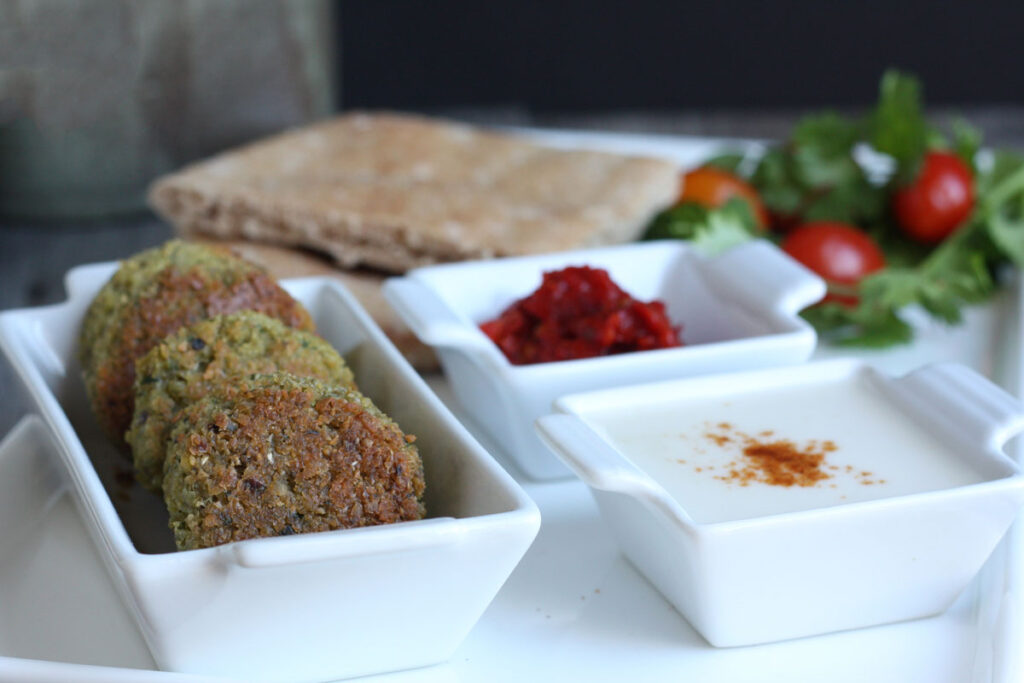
(574, 609)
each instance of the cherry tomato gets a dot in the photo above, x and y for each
(938, 200)
(839, 253)
(712, 187)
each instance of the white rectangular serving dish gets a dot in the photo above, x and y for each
(738, 310)
(299, 608)
(797, 573)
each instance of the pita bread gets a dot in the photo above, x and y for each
(394, 192)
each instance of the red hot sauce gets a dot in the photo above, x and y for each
(579, 312)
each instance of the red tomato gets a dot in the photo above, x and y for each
(839, 253)
(938, 200)
(712, 187)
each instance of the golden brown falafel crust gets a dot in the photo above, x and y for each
(283, 455)
(189, 364)
(176, 297)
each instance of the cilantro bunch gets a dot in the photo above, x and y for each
(846, 169)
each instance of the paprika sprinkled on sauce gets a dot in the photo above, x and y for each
(777, 462)
(579, 312)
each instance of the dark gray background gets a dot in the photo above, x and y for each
(574, 55)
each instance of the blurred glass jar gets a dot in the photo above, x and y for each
(98, 97)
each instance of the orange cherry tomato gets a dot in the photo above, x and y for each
(712, 187)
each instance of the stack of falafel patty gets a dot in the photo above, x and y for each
(249, 423)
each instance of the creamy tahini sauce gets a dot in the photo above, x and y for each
(871, 449)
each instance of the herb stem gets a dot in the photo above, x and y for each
(1009, 186)
(935, 261)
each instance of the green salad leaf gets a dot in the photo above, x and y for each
(712, 231)
(897, 126)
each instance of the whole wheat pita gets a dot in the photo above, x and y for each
(395, 192)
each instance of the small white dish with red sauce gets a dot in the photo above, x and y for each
(737, 310)
(896, 491)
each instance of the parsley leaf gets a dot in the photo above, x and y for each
(815, 175)
(712, 231)
(1008, 235)
(855, 202)
(897, 126)
(822, 148)
(966, 143)
(1001, 206)
(861, 327)
(775, 178)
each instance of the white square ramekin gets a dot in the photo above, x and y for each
(299, 608)
(796, 574)
(738, 310)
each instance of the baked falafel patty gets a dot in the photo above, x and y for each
(152, 295)
(193, 361)
(281, 455)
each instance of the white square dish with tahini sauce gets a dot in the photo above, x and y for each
(782, 503)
